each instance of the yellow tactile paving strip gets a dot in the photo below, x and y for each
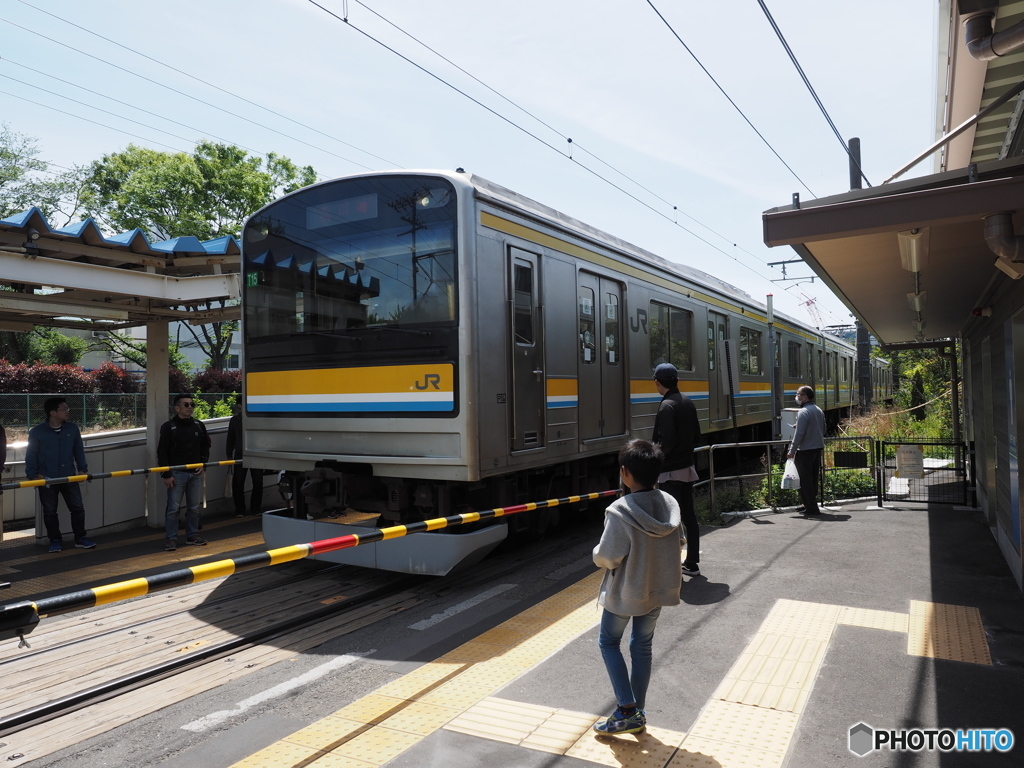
(748, 723)
(941, 631)
(382, 725)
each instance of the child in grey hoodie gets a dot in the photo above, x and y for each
(640, 551)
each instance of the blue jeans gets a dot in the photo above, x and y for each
(191, 485)
(630, 689)
(48, 499)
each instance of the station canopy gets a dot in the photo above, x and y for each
(76, 277)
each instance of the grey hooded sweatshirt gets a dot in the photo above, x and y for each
(640, 551)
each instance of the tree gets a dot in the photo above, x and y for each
(56, 348)
(206, 194)
(134, 350)
(26, 181)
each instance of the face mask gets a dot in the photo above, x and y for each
(797, 399)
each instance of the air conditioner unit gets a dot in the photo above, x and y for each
(100, 334)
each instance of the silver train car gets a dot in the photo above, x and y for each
(418, 344)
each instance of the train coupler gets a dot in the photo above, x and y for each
(18, 620)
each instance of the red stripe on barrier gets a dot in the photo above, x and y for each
(332, 545)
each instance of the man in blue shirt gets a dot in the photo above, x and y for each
(807, 447)
(55, 449)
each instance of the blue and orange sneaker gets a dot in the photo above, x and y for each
(620, 722)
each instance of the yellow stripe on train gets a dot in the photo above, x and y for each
(371, 380)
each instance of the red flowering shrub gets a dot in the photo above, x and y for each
(57, 378)
(110, 379)
(218, 381)
(178, 381)
(13, 377)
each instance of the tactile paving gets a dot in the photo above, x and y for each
(378, 745)
(650, 749)
(705, 752)
(278, 754)
(774, 672)
(324, 735)
(746, 726)
(420, 718)
(942, 631)
(334, 760)
(799, 619)
(373, 708)
(864, 617)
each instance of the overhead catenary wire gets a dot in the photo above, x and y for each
(729, 98)
(183, 93)
(213, 85)
(810, 88)
(568, 139)
(532, 135)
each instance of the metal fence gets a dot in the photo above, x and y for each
(93, 412)
(925, 470)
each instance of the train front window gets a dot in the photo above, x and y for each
(367, 253)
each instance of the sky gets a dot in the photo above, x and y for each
(659, 157)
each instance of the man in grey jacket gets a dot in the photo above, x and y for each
(55, 449)
(639, 550)
(806, 449)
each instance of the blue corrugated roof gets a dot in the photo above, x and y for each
(88, 232)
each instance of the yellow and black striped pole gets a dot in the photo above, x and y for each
(18, 619)
(105, 475)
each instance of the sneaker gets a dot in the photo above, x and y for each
(170, 545)
(197, 541)
(619, 722)
(55, 545)
(691, 570)
(84, 543)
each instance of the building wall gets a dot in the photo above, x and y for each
(994, 390)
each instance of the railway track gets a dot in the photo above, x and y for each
(246, 624)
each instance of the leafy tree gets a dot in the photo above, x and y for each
(25, 181)
(206, 194)
(55, 348)
(134, 350)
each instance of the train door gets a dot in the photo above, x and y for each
(718, 373)
(527, 347)
(600, 364)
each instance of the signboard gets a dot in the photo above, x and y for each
(909, 462)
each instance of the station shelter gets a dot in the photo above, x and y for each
(937, 261)
(76, 277)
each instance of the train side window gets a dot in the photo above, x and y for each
(523, 304)
(611, 327)
(821, 366)
(794, 360)
(671, 336)
(846, 369)
(750, 352)
(588, 323)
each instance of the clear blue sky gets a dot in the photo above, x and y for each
(610, 75)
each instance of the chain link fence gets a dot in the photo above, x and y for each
(93, 412)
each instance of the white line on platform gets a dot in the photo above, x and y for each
(216, 718)
(460, 607)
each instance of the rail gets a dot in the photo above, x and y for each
(19, 619)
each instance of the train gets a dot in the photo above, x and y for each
(423, 343)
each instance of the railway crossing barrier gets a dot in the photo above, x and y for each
(20, 618)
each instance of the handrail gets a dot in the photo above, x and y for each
(19, 619)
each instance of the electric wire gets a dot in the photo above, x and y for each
(550, 127)
(186, 95)
(532, 135)
(814, 95)
(728, 97)
(212, 85)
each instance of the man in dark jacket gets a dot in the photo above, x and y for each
(676, 430)
(234, 451)
(55, 449)
(806, 449)
(183, 440)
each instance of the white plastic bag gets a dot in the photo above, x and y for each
(790, 477)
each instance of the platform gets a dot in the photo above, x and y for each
(797, 630)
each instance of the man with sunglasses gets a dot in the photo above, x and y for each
(183, 440)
